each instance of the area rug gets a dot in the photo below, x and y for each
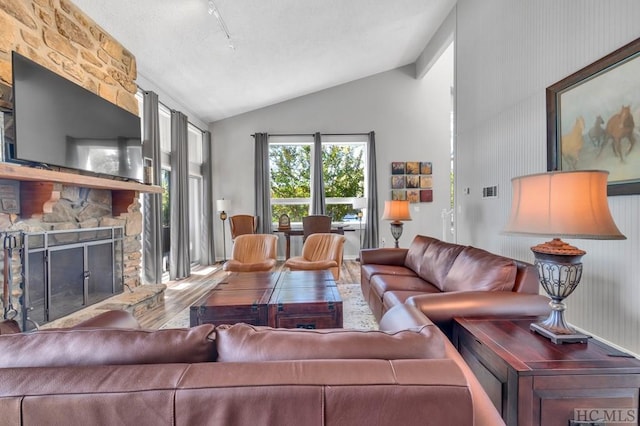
(355, 311)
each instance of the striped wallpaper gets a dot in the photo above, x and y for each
(507, 53)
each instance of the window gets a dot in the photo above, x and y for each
(343, 169)
(195, 154)
(194, 137)
(164, 124)
(195, 140)
(290, 174)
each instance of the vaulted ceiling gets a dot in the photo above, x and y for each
(282, 49)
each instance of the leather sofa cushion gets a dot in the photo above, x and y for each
(383, 283)
(83, 347)
(247, 343)
(415, 254)
(370, 271)
(476, 269)
(437, 260)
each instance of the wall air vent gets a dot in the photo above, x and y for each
(490, 191)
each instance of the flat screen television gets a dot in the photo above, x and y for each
(61, 124)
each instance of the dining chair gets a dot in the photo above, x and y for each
(314, 224)
(242, 224)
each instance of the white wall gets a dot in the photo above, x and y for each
(410, 118)
(166, 99)
(507, 53)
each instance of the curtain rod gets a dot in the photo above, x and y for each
(312, 134)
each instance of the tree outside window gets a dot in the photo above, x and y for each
(343, 174)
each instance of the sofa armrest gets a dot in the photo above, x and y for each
(402, 317)
(110, 319)
(441, 308)
(484, 412)
(383, 256)
(9, 326)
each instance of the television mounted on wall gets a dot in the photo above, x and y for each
(59, 124)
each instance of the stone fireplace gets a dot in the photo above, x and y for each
(75, 208)
(59, 36)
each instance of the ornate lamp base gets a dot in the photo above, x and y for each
(396, 231)
(223, 217)
(559, 338)
(559, 270)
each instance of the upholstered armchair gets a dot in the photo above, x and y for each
(320, 252)
(252, 252)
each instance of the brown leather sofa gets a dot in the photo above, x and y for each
(95, 373)
(446, 280)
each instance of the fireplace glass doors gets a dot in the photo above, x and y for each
(65, 271)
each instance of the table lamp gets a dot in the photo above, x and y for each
(359, 204)
(223, 206)
(561, 204)
(396, 211)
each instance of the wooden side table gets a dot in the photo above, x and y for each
(533, 381)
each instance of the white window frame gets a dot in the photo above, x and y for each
(326, 140)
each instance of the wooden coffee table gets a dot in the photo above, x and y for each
(287, 299)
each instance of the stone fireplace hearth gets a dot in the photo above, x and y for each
(72, 208)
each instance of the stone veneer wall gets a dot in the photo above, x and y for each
(59, 36)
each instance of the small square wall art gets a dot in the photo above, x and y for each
(412, 181)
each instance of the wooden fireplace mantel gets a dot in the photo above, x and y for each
(39, 190)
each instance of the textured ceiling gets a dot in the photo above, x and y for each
(283, 48)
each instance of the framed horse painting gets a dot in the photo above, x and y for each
(592, 116)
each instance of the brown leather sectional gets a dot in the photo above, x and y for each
(408, 374)
(108, 371)
(446, 280)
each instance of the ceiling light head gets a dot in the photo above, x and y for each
(213, 10)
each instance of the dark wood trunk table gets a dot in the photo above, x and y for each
(287, 299)
(298, 302)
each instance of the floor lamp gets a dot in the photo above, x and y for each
(359, 204)
(396, 211)
(222, 207)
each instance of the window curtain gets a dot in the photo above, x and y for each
(262, 183)
(179, 260)
(208, 247)
(317, 191)
(152, 219)
(371, 232)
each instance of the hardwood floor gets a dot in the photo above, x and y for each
(181, 294)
